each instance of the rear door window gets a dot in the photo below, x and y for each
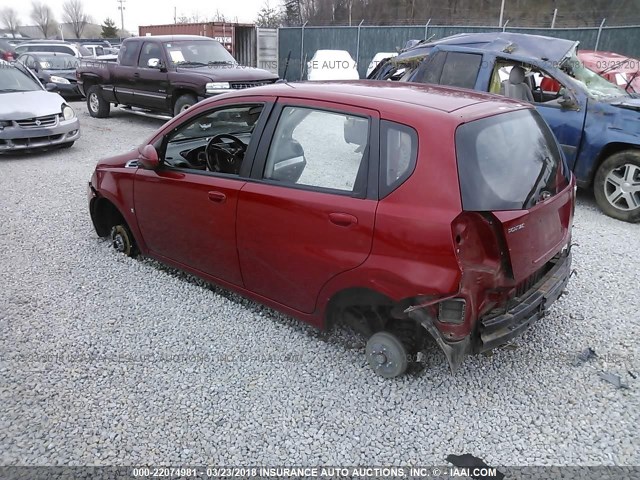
(320, 149)
(461, 69)
(128, 55)
(455, 69)
(509, 161)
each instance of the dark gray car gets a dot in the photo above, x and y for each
(56, 68)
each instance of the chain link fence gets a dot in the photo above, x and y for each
(296, 45)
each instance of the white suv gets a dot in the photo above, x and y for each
(55, 47)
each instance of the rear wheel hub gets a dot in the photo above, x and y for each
(386, 355)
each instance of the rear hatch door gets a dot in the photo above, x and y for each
(510, 165)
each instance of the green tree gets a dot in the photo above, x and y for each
(269, 17)
(109, 29)
(292, 12)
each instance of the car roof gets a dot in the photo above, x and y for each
(47, 42)
(506, 43)
(49, 54)
(593, 55)
(376, 94)
(169, 38)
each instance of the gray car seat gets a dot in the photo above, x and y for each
(515, 87)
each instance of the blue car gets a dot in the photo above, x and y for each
(596, 122)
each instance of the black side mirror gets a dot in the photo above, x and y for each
(51, 87)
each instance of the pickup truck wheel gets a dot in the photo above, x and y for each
(98, 107)
(617, 186)
(183, 103)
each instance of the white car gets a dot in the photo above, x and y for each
(377, 58)
(96, 50)
(53, 46)
(332, 65)
(30, 116)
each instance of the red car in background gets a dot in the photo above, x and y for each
(399, 209)
(618, 69)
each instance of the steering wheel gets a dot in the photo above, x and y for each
(225, 157)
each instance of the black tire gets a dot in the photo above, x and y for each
(122, 240)
(67, 145)
(98, 107)
(619, 199)
(183, 103)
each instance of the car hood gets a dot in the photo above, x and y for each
(230, 73)
(21, 105)
(627, 102)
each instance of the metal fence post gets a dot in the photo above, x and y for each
(555, 14)
(302, 51)
(599, 32)
(426, 29)
(501, 14)
(358, 44)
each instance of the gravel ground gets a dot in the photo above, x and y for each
(108, 360)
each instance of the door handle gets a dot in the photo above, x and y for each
(343, 219)
(217, 197)
(136, 75)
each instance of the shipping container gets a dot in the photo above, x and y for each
(238, 38)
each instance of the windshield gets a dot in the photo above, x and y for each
(13, 80)
(198, 53)
(596, 86)
(58, 62)
(508, 162)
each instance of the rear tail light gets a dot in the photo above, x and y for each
(479, 242)
(452, 311)
(8, 56)
(476, 238)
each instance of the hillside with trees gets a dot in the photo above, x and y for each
(522, 13)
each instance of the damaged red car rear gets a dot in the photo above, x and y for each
(401, 210)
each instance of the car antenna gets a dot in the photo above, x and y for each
(286, 67)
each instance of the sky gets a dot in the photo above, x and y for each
(145, 12)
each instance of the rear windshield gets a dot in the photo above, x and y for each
(508, 162)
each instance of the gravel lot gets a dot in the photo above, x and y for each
(108, 360)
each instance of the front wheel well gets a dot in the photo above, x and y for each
(177, 93)
(105, 215)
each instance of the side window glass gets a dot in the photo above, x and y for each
(321, 149)
(213, 142)
(149, 50)
(128, 54)
(399, 150)
(461, 69)
(431, 68)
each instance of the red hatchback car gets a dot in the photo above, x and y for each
(399, 209)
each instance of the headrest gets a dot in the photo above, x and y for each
(356, 130)
(516, 76)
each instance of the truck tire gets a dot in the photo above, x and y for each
(617, 186)
(184, 102)
(98, 107)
